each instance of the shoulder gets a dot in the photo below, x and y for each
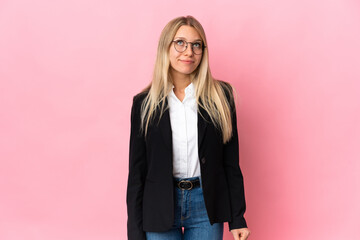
(223, 83)
(227, 88)
(139, 97)
(137, 102)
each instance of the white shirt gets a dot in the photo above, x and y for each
(183, 120)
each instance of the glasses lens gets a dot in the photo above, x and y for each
(197, 47)
(180, 45)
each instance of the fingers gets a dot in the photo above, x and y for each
(244, 235)
(241, 233)
(236, 235)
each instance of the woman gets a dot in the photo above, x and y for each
(184, 156)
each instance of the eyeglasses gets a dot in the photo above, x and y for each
(196, 47)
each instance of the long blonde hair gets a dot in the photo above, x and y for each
(210, 93)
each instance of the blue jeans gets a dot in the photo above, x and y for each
(190, 214)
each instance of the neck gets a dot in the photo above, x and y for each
(180, 81)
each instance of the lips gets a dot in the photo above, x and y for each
(187, 61)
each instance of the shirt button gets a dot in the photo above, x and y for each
(203, 160)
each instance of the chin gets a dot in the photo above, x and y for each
(187, 71)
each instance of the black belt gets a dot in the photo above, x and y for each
(186, 184)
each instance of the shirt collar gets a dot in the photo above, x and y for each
(189, 90)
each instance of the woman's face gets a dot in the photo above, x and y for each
(184, 63)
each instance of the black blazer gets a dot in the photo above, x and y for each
(150, 190)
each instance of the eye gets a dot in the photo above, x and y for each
(180, 42)
(197, 44)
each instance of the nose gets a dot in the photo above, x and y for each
(188, 50)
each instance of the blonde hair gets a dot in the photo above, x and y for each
(210, 93)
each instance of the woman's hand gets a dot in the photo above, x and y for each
(240, 233)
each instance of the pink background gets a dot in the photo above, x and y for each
(69, 69)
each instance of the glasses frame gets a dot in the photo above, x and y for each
(192, 46)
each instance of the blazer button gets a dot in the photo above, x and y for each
(203, 160)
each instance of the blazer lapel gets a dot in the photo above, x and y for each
(202, 124)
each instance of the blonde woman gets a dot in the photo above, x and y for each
(184, 176)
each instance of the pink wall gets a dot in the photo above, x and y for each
(69, 69)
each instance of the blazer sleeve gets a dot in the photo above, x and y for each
(136, 178)
(234, 174)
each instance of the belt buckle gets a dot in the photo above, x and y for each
(185, 181)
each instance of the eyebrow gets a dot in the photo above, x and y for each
(185, 38)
